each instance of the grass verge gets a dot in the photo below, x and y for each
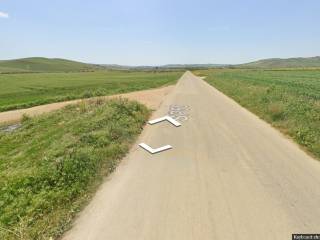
(51, 166)
(288, 99)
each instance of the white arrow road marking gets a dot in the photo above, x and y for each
(157, 150)
(168, 118)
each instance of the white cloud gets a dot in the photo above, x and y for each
(4, 15)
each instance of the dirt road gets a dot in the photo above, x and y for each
(152, 98)
(228, 176)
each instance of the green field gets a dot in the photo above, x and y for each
(52, 164)
(31, 89)
(288, 99)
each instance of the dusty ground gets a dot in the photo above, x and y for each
(229, 176)
(151, 98)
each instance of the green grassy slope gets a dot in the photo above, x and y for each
(38, 64)
(289, 100)
(312, 62)
(51, 166)
(26, 90)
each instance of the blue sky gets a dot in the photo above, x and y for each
(152, 32)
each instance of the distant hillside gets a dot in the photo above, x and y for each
(163, 67)
(38, 64)
(283, 63)
(193, 66)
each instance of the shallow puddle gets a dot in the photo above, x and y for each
(10, 128)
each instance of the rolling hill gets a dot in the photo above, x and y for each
(163, 67)
(39, 64)
(311, 62)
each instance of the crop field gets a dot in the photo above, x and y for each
(51, 165)
(31, 89)
(288, 99)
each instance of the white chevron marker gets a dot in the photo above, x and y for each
(168, 118)
(157, 150)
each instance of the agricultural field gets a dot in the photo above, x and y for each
(30, 89)
(288, 99)
(52, 164)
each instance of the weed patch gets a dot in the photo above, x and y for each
(50, 166)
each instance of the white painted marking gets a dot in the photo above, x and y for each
(179, 112)
(156, 150)
(165, 118)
